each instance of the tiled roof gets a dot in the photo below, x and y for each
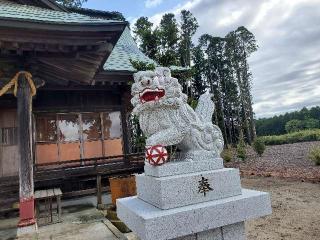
(119, 59)
(123, 51)
(10, 10)
(98, 13)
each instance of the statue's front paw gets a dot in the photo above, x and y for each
(156, 155)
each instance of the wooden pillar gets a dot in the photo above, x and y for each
(125, 100)
(99, 192)
(24, 108)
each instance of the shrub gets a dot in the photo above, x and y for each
(259, 146)
(241, 147)
(241, 151)
(142, 66)
(294, 125)
(227, 155)
(314, 155)
(301, 136)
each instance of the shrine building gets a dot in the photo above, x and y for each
(65, 79)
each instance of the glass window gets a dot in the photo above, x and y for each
(112, 125)
(91, 126)
(58, 136)
(46, 128)
(69, 128)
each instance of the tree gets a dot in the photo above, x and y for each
(199, 83)
(239, 46)
(169, 36)
(71, 3)
(311, 123)
(146, 37)
(276, 125)
(259, 146)
(189, 26)
(294, 125)
(241, 147)
(217, 63)
(214, 71)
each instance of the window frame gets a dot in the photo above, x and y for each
(11, 138)
(81, 138)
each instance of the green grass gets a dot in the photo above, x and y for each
(300, 136)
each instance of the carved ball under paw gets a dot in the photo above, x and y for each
(156, 155)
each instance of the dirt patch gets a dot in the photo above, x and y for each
(287, 161)
(295, 206)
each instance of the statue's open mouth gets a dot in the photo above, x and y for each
(148, 95)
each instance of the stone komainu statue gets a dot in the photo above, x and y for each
(166, 118)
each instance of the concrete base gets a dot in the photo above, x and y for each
(183, 167)
(182, 190)
(150, 222)
(27, 231)
(230, 232)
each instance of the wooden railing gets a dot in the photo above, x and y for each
(110, 164)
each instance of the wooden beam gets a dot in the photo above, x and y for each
(65, 68)
(56, 37)
(53, 78)
(64, 74)
(53, 47)
(108, 49)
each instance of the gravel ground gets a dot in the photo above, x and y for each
(295, 210)
(288, 161)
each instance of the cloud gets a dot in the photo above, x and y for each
(156, 18)
(152, 3)
(286, 67)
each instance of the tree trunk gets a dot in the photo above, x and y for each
(249, 98)
(243, 106)
(218, 113)
(252, 123)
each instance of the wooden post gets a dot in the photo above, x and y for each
(24, 102)
(59, 207)
(99, 192)
(125, 135)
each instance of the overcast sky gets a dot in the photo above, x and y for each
(286, 67)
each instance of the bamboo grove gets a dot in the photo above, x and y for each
(216, 63)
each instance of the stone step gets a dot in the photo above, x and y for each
(150, 222)
(186, 189)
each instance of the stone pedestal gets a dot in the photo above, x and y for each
(187, 201)
(230, 232)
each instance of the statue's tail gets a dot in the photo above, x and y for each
(205, 108)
